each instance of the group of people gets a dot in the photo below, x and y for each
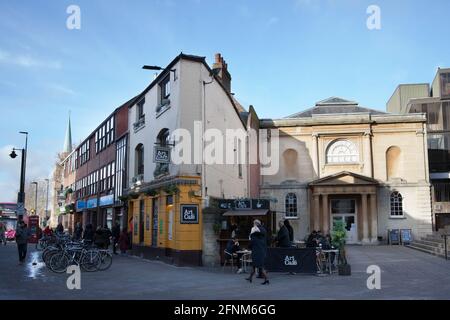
(102, 236)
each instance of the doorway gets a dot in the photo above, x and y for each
(141, 221)
(155, 222)
(344, 210)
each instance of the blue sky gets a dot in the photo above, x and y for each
(283, 57)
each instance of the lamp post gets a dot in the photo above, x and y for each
(46, 203)
(35, 197)
(21, 194)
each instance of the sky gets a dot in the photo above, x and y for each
(283, 57)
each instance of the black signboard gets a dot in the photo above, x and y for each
(394, 236)
(189, 214)
(244, 204)
(161, 155)
(406, 236)
(291, 260)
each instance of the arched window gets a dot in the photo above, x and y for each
(291, 205)
(396, 204)
(342, 151)
(290, 163)
(139, 154)
(163, 138)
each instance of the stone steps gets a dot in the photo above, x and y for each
(432, 244)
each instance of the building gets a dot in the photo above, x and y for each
(435, 103)
(166, 200)
(342, 162)
(99, 163)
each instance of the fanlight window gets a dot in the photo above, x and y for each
(342, 151)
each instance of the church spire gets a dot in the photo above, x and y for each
(68, 139)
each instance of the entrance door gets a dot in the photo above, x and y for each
(141, 221)
(345, 210)
(155, 222)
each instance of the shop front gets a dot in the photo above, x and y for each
(165, 218)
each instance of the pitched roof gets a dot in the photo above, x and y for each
(334, 105)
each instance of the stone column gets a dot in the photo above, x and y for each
(367, 155)
(365, 219)
(315, 155)
(325, 215)
(373, 219)
(316, 213)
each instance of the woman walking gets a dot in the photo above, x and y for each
(258, 244)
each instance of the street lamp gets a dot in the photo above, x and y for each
(35, 197)
(21, 194)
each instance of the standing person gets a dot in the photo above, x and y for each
(2, 233)
(258, 243)
(78, 232)
(99, 238)
(283, 236)
(123, 241)
(288, 226)
(107, 234)
(60, 229)
(130, 233)
(88, 235)
(116, 236)
(22, 236)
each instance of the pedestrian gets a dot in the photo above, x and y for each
(258, 244)
(78, 232)
(60, 229)
(288, 226)
(130, 233)
(2, 233)
(107, 234)
(283, 236)
(22, 236)
(123, 241)
(88, 235)
(99, 239)
(115, 236)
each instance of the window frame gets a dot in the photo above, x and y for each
(289, 207)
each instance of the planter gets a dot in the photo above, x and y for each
(344, 270)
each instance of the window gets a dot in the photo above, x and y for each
(165, 87)
(396, 204)
(342, 151)
(445, 85)
(441, 190)
(139, 159)
(104, 136)
(140, 109)
(83, 153)
(343, 206)
(291, 205)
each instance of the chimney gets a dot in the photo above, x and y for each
(221, 70)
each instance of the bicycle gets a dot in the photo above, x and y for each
(87, 259)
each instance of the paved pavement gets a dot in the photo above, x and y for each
(406, 274)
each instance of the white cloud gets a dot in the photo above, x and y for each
(39, 166)
(27, 61)
(59, 89)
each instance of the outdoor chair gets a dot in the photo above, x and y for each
(229, 258)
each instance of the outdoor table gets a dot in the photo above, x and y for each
(329, 257)
(245, 254)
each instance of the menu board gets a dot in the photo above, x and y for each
(394, 236)
(406, 236)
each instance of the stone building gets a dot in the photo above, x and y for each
(341, 161)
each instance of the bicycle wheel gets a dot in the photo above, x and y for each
(48, 252)
(90, 261)
(59, 262)
(39, 245)
(105, 261)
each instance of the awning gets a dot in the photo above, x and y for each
(241, 213)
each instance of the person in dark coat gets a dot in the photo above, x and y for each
(22, 236)
(107, 234)
(78, 232)
(283, 236)
(258, 244)
(60, 229)
(115, 236)
(290, 230)
(88, 235)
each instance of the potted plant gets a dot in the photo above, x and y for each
(152, 193)
(172, 189)
(339, 236)
(134, 196)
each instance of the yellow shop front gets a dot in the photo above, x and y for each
(166, 221)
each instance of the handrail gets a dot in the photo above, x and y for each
(445, 245)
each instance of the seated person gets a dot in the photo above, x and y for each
(282, 238)
(232, 248)
(311, 241)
